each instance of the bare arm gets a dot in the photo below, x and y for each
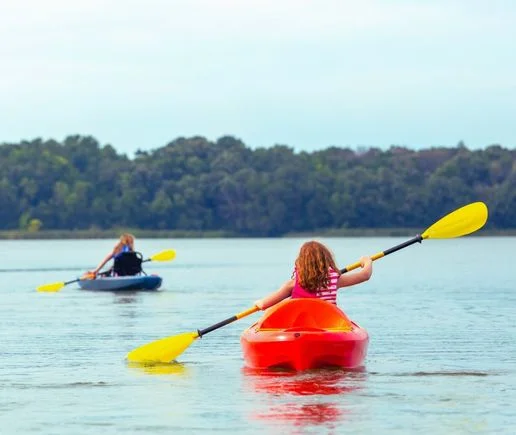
(282, 293)
(352, 278)
(103, 262)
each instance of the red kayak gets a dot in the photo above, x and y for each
(302, 334)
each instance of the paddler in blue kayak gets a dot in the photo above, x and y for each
(316, 276)
(125, 244)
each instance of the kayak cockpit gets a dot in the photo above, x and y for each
(305, 313)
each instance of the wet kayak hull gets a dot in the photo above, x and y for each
(304, 350)
(121, 283)
(300, 343)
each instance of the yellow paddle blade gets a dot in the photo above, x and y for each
(167, 255)
(464, 220)
(164, 350)
(54, 287)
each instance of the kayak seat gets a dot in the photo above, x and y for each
(304, 313)
(128, 264)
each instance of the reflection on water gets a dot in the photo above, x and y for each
(321, 381)
(323, 392)
(126, 298)
(159, 368)
(310, 413)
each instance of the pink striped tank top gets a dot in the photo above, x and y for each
(328, 294)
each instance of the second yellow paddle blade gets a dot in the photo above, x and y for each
(54, 287)
(464, 220)
(164, 255)
(165, 350)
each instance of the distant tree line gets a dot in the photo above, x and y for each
(195, 184)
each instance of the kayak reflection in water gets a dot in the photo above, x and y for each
(124, 245)
(311, 398)
(316, 276)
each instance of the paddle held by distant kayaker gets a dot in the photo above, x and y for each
(317, 276)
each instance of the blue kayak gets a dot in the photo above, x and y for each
(116, 283)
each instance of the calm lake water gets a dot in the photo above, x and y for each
(442, 352)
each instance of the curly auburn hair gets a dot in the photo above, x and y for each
(312, 266)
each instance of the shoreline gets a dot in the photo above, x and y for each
(171, 234)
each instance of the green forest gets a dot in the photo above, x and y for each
(200, 186)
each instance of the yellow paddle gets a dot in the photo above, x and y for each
(462, 221)
(168, 349)
(166, 255)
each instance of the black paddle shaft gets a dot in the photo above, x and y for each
(229, 320)
(416, 239)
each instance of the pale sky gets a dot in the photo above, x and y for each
(308, 74)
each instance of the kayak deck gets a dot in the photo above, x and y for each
(120, 283)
